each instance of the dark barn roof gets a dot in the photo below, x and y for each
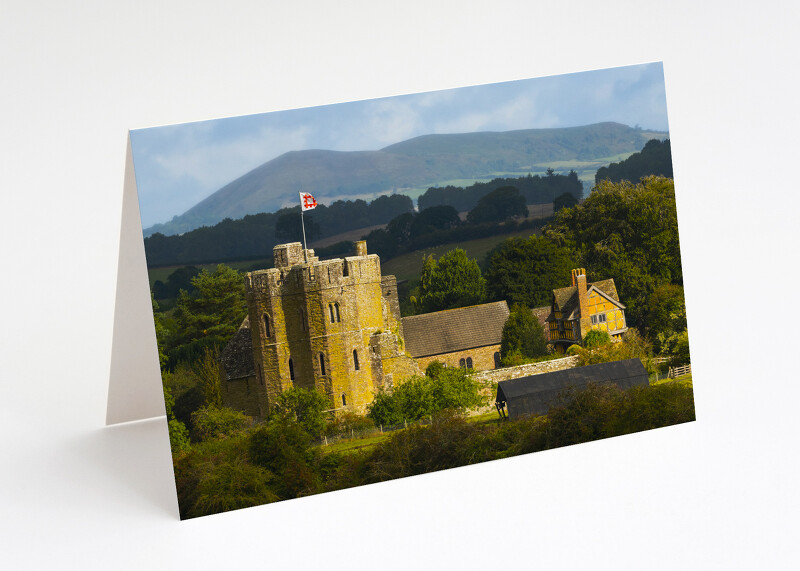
(455, 329)
(535, 394)
(237, 356)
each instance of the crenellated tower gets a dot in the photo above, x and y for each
(333, 325)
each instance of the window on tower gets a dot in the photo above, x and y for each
(355, 359)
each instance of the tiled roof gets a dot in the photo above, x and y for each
(455, 329)
(566, 298)
(237, 356)
(541, 314)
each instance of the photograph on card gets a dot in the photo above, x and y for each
(362, 291)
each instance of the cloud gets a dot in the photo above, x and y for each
(177, 166)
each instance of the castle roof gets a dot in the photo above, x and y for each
(455, 329)
(237, 356)
(566, 298)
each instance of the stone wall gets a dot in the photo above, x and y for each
(508, 373)
(245, 394)
(482, 358)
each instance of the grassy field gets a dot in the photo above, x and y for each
(685, 380)
(164, 272)
(408, 266)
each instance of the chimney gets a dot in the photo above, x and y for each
(579, 281)
(361, 248)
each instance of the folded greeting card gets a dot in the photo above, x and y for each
(347, 294)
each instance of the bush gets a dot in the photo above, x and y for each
(178, 436)
(306, 406)
(596, 338)
(218, 422)
(422, 396)
(232, 486)
(284, 447)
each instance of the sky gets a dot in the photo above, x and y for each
(177, 166)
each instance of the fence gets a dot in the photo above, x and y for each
(675, 372)
(364, 432)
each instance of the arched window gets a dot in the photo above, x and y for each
(469, 362)
(355, 359)
(322, 363)
(336, 307)
(497, 360)
(344, 400)
(302, 318)
(291, 369)
(330, 309)
(266, 325)
(462, 363)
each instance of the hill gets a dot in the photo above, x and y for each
(410, 167)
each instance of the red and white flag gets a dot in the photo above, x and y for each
(307, 201)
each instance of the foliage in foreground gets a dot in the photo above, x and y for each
(278, 460)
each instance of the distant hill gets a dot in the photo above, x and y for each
(415, 164)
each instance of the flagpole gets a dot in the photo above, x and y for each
(302, 223)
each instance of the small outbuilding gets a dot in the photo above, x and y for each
(535, 394)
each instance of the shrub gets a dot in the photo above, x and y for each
(306, 406)
(596, 338)
(284, 447)
(178, 436)
(422, 396)
(232, 486)
(218, 422)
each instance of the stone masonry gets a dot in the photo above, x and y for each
(333, 325)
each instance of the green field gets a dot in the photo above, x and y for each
(164, 272)
(405, 267)
(685, 380)
(408, 266)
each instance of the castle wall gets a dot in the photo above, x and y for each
(244, 394)
(321, 315)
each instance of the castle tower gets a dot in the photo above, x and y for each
(333, 325)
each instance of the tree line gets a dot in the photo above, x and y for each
(254, 235)
(535, 188)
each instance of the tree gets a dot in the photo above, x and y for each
(434, 218)
(628, 232)
(288, 227)
(455, 281)
(527, 270)
(566, 200)
(441, 388)
(523, 337)
(209, 316)
(499, 205)
(306, 406)
(666, 312)
(654, 159)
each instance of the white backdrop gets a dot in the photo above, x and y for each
(720, 492)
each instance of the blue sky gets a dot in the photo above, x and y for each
(179, 165)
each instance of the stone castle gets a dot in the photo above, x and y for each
(335, 325)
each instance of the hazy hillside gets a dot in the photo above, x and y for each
(410, 167)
